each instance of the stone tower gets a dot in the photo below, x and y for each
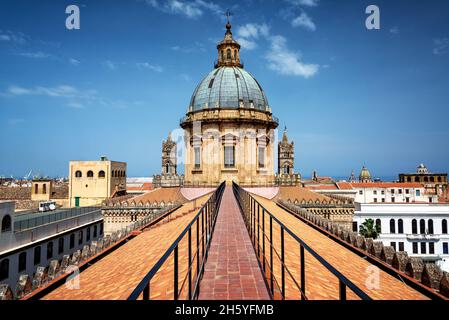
(169, 156)
(286, 156)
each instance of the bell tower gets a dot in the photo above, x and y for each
(286, 155)
(169, 156)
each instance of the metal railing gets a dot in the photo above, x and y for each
(45, 218)
(201, 227)
(260, 222)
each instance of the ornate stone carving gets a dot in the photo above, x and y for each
(387, 254)
(415, 267)
(431, 276)
(400, 260)
(24, 286)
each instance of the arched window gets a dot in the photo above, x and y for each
(49, 250)
(6, 223)
(416, 179)
(235, 54)
(409, 179)
(222, 54)
(414, 226)
(439, 179)
(36, 188)
(444, 226)
(4, 269)
(60, 245)
(37, 255)
(95, 231)
(422, 226)
(400, 226)
(80, 237)
(228, 54)
(44, 189)
(72, 241)
(379, 223)
(78, 174)
(90, 174)
(430, 226)
(88, 234)
(392, 226)
(101, 174)
(22, 261)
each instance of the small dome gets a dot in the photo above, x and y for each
(228, 87)
(365, 175)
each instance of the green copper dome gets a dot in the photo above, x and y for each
(229, 87)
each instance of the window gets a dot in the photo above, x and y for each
(36, 188)
(78, 174)
(261, 157)
(229, 156)
(90, 174)
(286, 169)
(430, 199)
(418, 193)
(415, 247)
(422, 226)
(416, 179)
(431, 248)
(414, 226)
(375, 199)
(197, 151)
(49, 250)
(101, 174)
(407, 199)
(375, 192)
(393, 200)
(361, 192)
(44, 189)
(4, 269)
(379, 223)
(72, 241)
(22, 261)
(88, 234)
(392, 226)
(401, 246)
(407, 191)
(400, 191)
(423, 248)
(6, 223)
(393, 244)
(383, 199)
(382, 192)
(95, 229)
(101, 229)
(430, 226)
(80, 237)
(60, 245)
(392, 191)
(228, 54)
(37, 255)
(354, 226)
(444, 226)
(400, 226)
(445, 250)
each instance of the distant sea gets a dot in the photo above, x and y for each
(381, 178)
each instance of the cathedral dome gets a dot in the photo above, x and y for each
(229, 87)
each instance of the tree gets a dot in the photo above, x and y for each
(369, 229)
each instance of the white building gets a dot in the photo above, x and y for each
(34, 239)
(419, 229)
(392, 192)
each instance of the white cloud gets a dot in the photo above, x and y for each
(4, 37)
(35, 55)
(16, 37)
(190, 9)
(148, 66)
(287, 62)
(305, 3)
(110, 65)
(250, 31)
(441, 46)
(303, 20)
(394, 30)
(74, 62)
(63, 91)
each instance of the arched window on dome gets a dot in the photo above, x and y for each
(228, 54)
(222, 55)
(235, 54)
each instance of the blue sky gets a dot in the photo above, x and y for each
(349, 96)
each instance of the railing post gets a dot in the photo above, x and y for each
(197, 247)
(202, 233)
(146, 292)
(303, 273)
(258, 230)
(263, 240)
(271, 255)
(190, 263)
(342, 291)
(283, 263)
(175, 284)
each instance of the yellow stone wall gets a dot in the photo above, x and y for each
(93, 190)
(40, 195)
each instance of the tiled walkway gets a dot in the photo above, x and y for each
(231, 270)
(115, 276)
(320, 283)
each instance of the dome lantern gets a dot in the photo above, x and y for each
(228, 49)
